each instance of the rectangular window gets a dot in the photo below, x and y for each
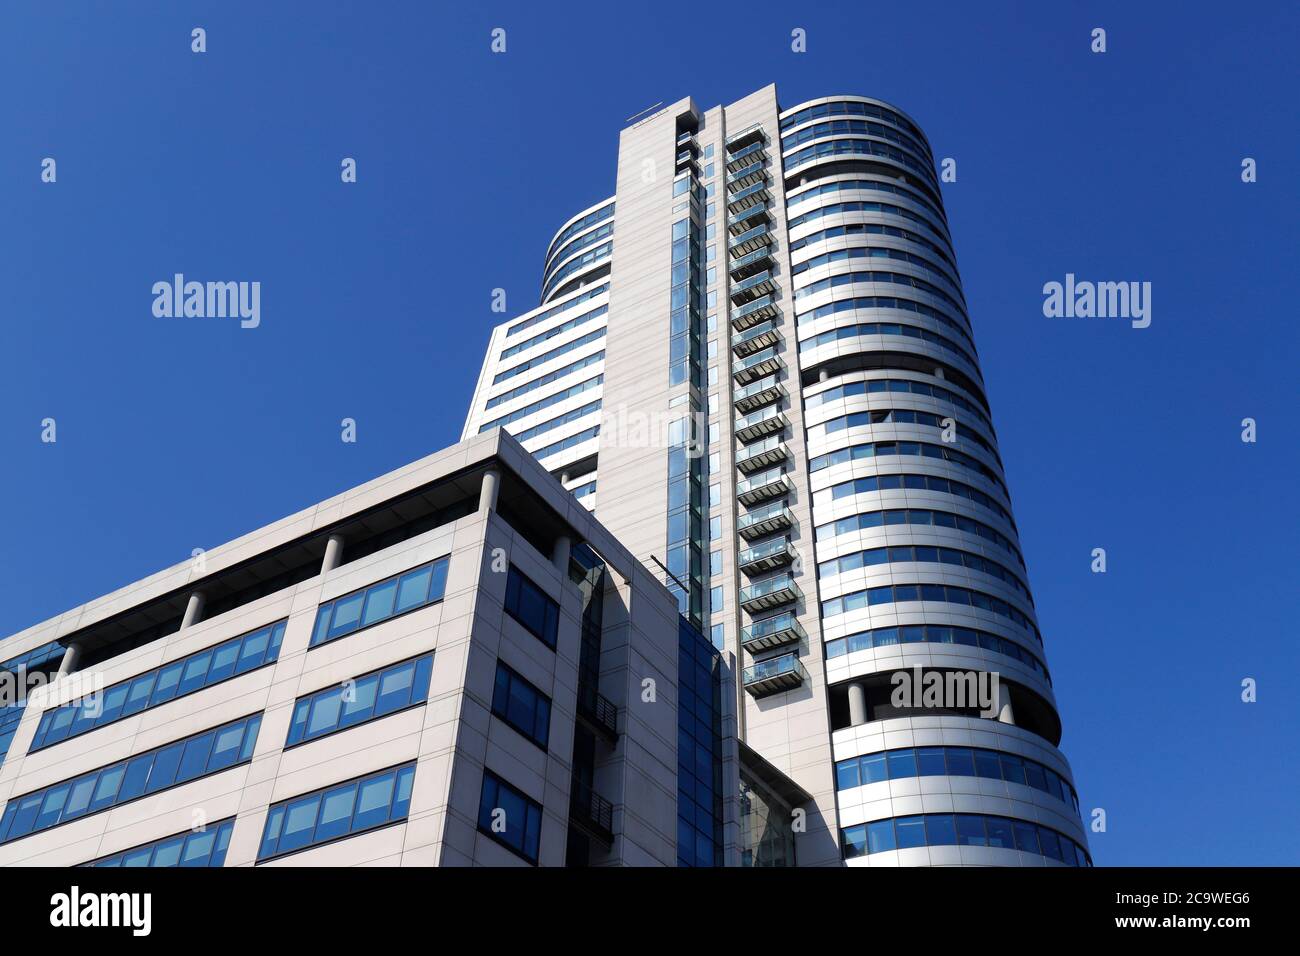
(510, 817)
(532, 608)
(357, 700)
(521, 705)
(185, 676)
(379, 602)
(206, 847)
(343, 809)
(176, 763)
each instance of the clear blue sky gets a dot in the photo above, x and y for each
(375, 304)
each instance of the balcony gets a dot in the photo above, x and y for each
(751, 240)
(761, 336)
(763, 454)
(757, 394)
(762, 487)
(687, 158)
(771, 632)
(687, 137)
(767, 421)
(755, 172)
(754, 195)
(743, 138)
(753, 312)
(756, 366)
(764, 521)
(748, 219)
(777, 553)
(774, 675)
(768, 594)
(748, 264)
(760, 283)
(597, 712)
(754, 152)
(591, 812)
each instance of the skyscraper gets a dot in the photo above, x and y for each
(754, 362)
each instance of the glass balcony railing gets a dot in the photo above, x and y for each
(742, 138)
(747, 219)
(749, 196)
(761, 454)
(763, 521)
(759, 364)
(762, 486)
(750, 240)
(746, 155)
(747, 176)
(758, 280)
(774, 675)
(750, 262)
(768, 593)
(772, 632)
(769, 554)
(749, 406)
(766, 422)
(755, 337)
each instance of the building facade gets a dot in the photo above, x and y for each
(453, 664)
(754, 363)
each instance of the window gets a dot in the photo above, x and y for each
(532, 608)
(185, 676)
(963, 829)
(952, 762)
(206, 847)
(373, 695)
(509, 817)
(397, 595)
(344, 809)
(118, 783)
(521, 705)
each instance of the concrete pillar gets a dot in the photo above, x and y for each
(857, 704)
(487, 497)
(193, 610)
(938, 372)
(823, 375)
(333, 553)
(71, 657)
(1005, 714)
(560, 554)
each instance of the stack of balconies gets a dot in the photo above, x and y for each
(759, 398)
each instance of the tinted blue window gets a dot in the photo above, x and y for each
(380, 601)
(511, 818)
(970, 830)
(910, 832)
(521, 705)
(205, 847)
(358, 805)
(880, 835)
(373, 695)
(126, 780)
(902, 763)
(940, 830)
(532, 608)
(185, 676)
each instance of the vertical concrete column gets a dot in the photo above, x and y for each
(1005, 714)
(823, 375)
(487, 496)
(857, 704)
(193, 610)
(560, 554)
(333, 554)
(938, 372)
(71, 657)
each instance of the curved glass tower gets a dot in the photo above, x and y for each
(825, 495)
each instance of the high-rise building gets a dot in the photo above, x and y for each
(754, 362)
(453, 664)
